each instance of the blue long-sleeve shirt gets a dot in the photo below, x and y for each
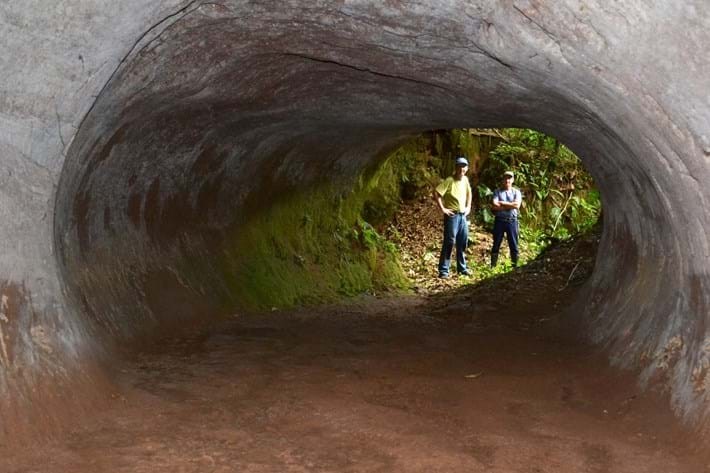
(502, 195)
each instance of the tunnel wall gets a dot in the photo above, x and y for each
(56, 61)
(138, 139)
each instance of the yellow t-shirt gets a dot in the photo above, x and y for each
(453, 193)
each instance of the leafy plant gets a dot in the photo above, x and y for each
(559, 195)
(560, 199)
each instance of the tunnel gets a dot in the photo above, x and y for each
(140, 139)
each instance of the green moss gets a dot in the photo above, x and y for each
(312, 248)
(322, 245)
(325, 244)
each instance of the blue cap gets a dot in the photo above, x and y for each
(461, 161)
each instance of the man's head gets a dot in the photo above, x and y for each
(461, 166)
(508, 178)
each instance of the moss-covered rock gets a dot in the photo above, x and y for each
(311, 248)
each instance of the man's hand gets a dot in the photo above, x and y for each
(440, 203)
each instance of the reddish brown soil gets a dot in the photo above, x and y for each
(476, 379)
(451, 383)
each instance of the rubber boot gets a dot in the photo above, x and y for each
(494, 260)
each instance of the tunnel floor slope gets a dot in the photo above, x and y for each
(477, 379)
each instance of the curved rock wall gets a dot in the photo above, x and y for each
(161, 129)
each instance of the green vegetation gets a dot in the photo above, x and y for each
(560, 199)
(313, 248)
(559, 195)
(327, 243)
(407, 173)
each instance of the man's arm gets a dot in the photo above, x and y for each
(502, 205)
(467, 210)
(495, 206)
(440, 203)
(518, 200)
(509, 205)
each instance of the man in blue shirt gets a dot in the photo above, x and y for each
(506, 202)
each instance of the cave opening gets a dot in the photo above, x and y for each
(559, 198)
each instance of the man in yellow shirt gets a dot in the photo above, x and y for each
(453, 196)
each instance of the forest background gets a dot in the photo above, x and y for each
(383, 233)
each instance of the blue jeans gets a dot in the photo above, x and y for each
(510, 228)
(455, 233)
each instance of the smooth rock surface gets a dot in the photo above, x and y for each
(137, 138)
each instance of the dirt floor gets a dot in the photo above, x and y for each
(474, 380)
(466, 376)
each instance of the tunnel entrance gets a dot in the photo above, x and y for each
(560, 199)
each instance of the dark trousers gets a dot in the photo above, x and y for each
(455, 233)
(510, 228)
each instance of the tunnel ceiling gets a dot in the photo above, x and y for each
(214, 105)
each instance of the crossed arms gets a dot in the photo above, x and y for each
(502, 205)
